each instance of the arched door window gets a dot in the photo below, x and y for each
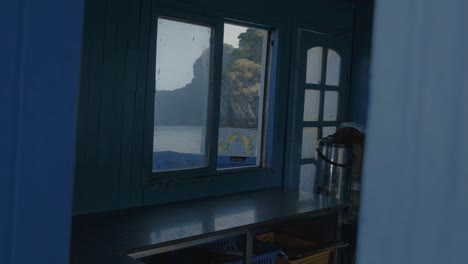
(321, 86)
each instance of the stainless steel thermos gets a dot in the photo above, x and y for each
(334, 161)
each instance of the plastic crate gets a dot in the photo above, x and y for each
(186, 255)
(286, 243)
(266, 253)
(234, 244)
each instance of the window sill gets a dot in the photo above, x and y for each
(189, 185)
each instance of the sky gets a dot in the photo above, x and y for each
(231, 32)
(179, 45)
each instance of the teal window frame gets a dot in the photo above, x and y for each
(215, 81)
(259, 175)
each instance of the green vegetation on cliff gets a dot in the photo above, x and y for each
(241, 79)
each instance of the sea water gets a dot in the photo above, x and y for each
(182, 139)
(191, 140)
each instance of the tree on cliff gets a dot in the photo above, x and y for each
(243, 65)
(250, 47)
(241, 80)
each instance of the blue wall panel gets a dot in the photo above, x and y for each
(39, 75)
(9, 99)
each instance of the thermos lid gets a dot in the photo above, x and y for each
(333, 142)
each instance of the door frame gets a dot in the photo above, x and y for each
(293, 149)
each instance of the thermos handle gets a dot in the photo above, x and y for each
(323, 191)
(326, 159)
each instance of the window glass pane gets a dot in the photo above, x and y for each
(330, 109)
(328, 131)
(242, 90)
(311, 105)
(309, 141)
(314, 65)
(183, 61)
(307, 178)
(333, 68)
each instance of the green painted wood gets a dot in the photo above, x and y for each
(359, 91)
(179, 190)
(114, 149)
(148, 114)
(87, 194)
(111, 111)
(276, 120)
(132, 187)
(129, 93)
(105, 136)
(328, 14)
(305, 39)
(214, 102)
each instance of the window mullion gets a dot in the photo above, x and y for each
(215, 94)
(261, 136)
(322, 90)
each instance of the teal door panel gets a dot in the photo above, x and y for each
(320, 99)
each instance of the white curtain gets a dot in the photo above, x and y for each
(415, 185)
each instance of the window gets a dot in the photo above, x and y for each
(242, 90)
(321, 105)
(208, 113)
(183, 69)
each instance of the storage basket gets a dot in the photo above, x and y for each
(286, 243)
(234, 244)
(266, 253)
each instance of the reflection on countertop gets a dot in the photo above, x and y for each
(108, 236)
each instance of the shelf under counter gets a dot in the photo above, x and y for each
(124, 236)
